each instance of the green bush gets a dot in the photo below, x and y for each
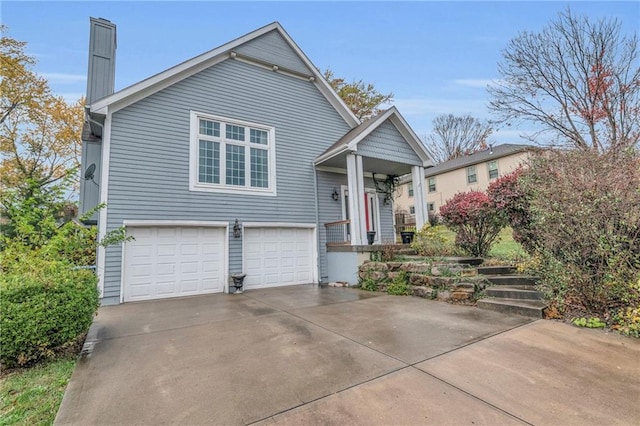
(399, 285)
(434, 241)
(46, 306)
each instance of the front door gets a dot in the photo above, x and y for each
(371, 214)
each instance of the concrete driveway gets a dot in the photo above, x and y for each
(310, 355)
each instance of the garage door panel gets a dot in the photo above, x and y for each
(278, 256)
(173, 261)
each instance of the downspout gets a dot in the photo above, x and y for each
(315, 186)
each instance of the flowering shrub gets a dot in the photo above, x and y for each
(475, 220)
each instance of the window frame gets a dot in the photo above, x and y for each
(412, 209)
(410, 189)
(475, 175)
(431, 207)
(429, 184)
(496, 170)
(223, 187)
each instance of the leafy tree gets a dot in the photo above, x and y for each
(578, 80)
(454, 137)
(362, 98)
(40, 134)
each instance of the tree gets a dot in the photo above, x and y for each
(40, 134)
(453, 137)
(363, 99)
(578, 80)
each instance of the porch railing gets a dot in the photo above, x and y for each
(338, 233)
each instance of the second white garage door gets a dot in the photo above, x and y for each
(173, 261)
(278, 256)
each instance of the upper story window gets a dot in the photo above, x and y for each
(410, 189)
(472, 177)
(412, 210)
(231, 156)
(493, 169)
(431, 182)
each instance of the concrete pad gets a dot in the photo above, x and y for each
(409, 328)
(228, 372)
(550, 373)
(406, 397)
(292, 297)
(167, 314)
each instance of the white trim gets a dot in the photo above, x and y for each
(420, 197)
(314, 242)
(104, 194)
(354, 206)
(277, 225)
(194, 138)
(338, 170)
(181, 224)
(360, 198)
(155, 83)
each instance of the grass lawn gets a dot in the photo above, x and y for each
(505, 246)
(32, 396)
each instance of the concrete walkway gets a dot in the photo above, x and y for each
(310, 355)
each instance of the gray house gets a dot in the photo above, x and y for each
(240, 160)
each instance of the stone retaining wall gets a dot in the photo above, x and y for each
(453, 283)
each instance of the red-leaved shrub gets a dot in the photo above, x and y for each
(475, 220)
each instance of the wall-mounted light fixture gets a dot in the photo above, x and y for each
(237, 230)
(335, 196)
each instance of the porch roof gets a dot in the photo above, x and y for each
(390, 162)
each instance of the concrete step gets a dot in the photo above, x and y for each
(497, 270)
(407, 251)
(514, 292)
(471, 261)
(527, 308)
(511, 280)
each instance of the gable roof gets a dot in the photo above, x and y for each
(490, 153)
(155, 83)
(349, 142)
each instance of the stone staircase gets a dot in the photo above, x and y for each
(511, 293)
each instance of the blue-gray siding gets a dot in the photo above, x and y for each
(90, 188)
(149, 163)
(272, 48)
(387, 139)
(102, 50)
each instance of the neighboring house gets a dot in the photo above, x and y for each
(233, 162)
(471, 172)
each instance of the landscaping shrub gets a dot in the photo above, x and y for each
(45, 307)
(475, 220)
(399, 286)
(433, 241)
(585, 218)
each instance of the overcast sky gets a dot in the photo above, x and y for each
(436, 57)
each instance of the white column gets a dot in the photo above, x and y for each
(354, 205)
(419, 196)
(360, 182)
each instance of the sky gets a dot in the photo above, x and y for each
(435, 57)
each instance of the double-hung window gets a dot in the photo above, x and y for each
(492, 166)
(410, 189)
(231, 156)
(432, 184)
(471, 175)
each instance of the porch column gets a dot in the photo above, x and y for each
(355, 181)
(419, 196)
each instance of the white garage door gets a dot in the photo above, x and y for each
(278, 256)
(173, 261)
